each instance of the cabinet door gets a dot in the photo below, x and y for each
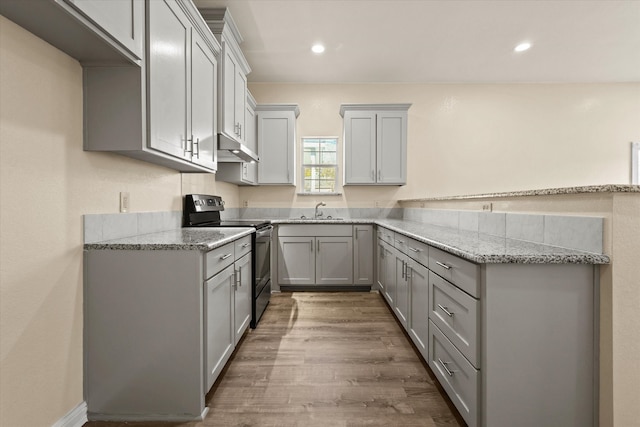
(401, 303)
(169, 46)
(240, 94)
(250, 123)
(419, 313)
(390, 275)
(218, 325)
(360, 147)
(392, 147)
(227, 112)
(242, 296)
(381, 267)
(276, 147)
(334, 261)
(363, 255)
(296, 261)
(203, 103)
(122, 19)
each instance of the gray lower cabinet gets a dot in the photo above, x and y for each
(218, 326)
(324, 255)
(363, 260)
(419, 317)
(511, 344)
(242, 297)
(159, 326)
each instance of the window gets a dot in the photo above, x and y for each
(319, 165)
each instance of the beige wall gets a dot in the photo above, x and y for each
(470, 139)
(42, 162)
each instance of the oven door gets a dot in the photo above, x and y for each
(262, 284)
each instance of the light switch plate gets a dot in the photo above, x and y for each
(124, 201)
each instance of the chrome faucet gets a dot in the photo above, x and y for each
(319, 214)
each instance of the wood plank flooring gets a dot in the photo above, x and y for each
(324, 359)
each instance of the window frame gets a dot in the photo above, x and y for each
(304, 165)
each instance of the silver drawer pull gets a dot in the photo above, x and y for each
(414, 249)
(445, 309)
(245, 245)
(400, 241)
(444, 365)
(445, 266)
(225, 256)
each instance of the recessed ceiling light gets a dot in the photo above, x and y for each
(317, 48)
(522, 47)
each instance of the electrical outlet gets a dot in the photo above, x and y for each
(378, 204)
(487, 207)
(124, 201)
(245, 203)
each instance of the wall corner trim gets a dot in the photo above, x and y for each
(74, 418)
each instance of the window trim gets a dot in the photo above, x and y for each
(304, 165)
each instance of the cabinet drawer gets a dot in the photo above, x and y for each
(456, 375)
(418, 251)
(462, 273)
(457, 316)
(219, 259)
(330, 230)
(242, 247)
(386, 235)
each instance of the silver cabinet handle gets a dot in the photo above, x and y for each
(311, 245)
(186, 150)
(403, 270)
(245, 245)
(223, 257)
(407, 272)
(379, 175)
(240, 277)
(446, 310)
(196, 144)
(400, 241)
(373, 175)
(445, 266)
(414, 249)
(444, 365)
(318, 245)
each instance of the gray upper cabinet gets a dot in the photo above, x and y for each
(122, 19)
(277, 143)
(92, 31)
(169, 41)
(232, 81)
(375, 143)
(165, 111)
(245, 173)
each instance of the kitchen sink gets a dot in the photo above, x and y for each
(308, 218)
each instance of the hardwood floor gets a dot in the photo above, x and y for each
(324, 359)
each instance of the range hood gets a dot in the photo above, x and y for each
(230, 150)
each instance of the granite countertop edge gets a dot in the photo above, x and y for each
(465, 244)
(588, 189)
(534, 252)
(189, 239)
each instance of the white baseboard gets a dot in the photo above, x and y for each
(74, 418)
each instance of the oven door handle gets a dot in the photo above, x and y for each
(264, 231)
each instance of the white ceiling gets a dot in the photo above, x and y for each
(438, 40)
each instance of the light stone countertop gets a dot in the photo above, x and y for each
(472, 246)
(606, 188)
(190, 239)
(486, 249)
